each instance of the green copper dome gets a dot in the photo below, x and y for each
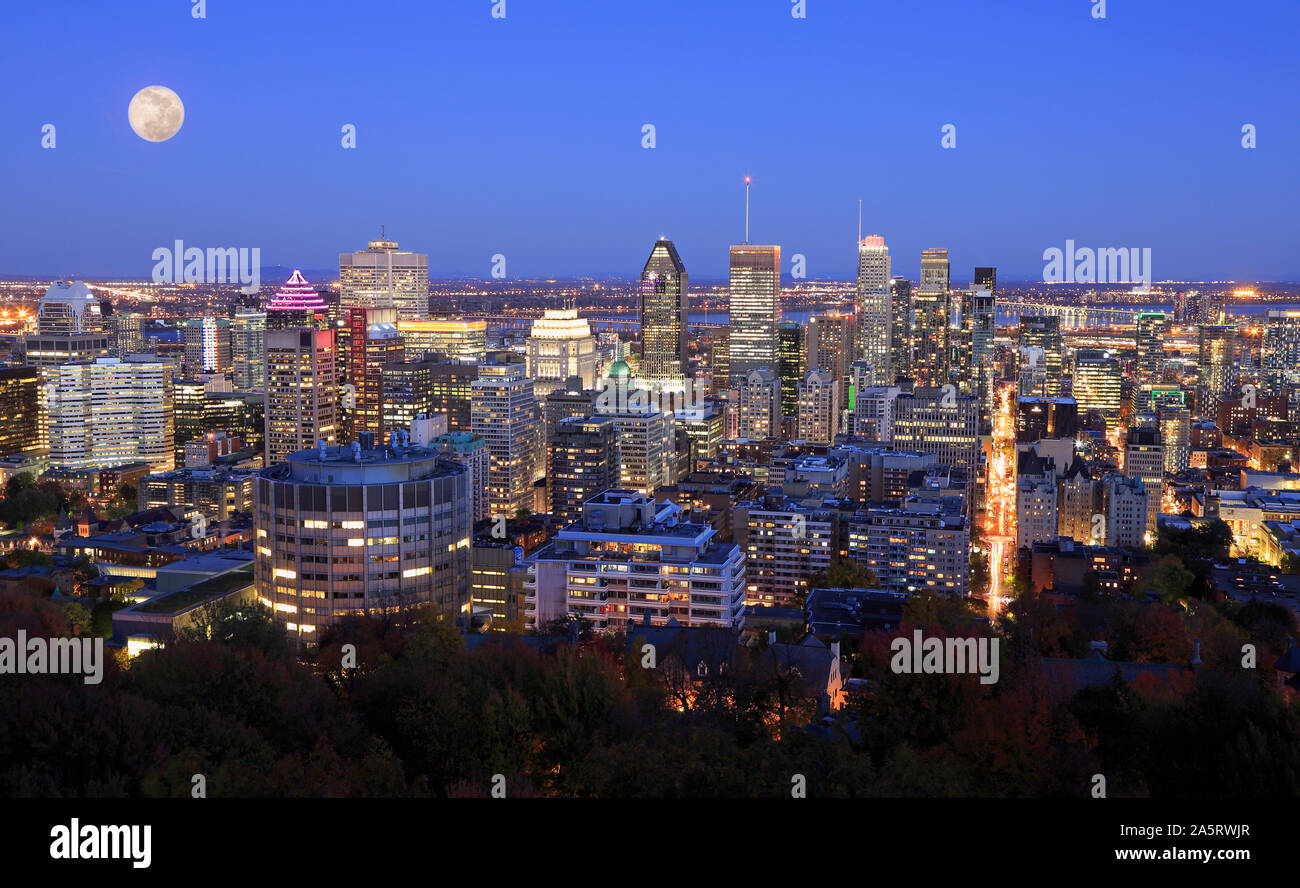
(620, 370)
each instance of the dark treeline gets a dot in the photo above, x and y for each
(421, 715)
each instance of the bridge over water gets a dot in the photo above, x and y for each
(1072, 316)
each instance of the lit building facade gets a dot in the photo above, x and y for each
(754, 308)
(873, 305)
(110, 413)
(247, 348)
(561, 346)
(207, 346)
(584, 463)
(504, 413)
(819, 407)
(301, 391)
(362, 530)
(454, 340)
(382, 276)
(664, 314)
(759, 405)
(632, 558)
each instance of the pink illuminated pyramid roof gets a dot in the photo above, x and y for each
(297, 295)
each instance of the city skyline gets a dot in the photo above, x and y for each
(558, 193)
(568, 399)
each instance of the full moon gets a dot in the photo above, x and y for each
(156, 113)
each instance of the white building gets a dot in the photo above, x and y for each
(110, 413)
(561, 346)
(873, 408)
(67, 308)
(629, 558)
(1126, 511)
(1036, 500)
(819, 407)
(758, 405)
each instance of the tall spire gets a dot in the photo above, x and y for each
(747, 209)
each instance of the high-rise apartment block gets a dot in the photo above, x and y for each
(504, 413)
(111, 413)
(301, 391)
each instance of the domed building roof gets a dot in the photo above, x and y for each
(69, 307)
(620, 370)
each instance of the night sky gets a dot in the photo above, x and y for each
(523, 136)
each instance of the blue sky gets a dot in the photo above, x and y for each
(522, 136)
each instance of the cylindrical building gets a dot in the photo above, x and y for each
(362, 529)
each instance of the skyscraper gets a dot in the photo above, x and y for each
(930, 329)
(372, 342)
(207, 346)
(1281, 351)
(1144, 458)
(1217, 358)
(247, 345)
(645, 448)
(1176, 434)
(504, 412)
(793, 364)
(831, 339)
(20, 419)
(1150, 331)
(874, 316)
(127, 329)
(69, 307)
(584, 463)
(720, 360)
(900, 328)
(382, 276)
(664, 314)
(755, 308)
(975, 354)
(408, 392)
(1045, 333)
(296, 304)
(933, 421)
(1096, 383)
(759, 405)
(69, 327)
(301, 391)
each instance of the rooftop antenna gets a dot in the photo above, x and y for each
(747, 209)
(859, 220)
